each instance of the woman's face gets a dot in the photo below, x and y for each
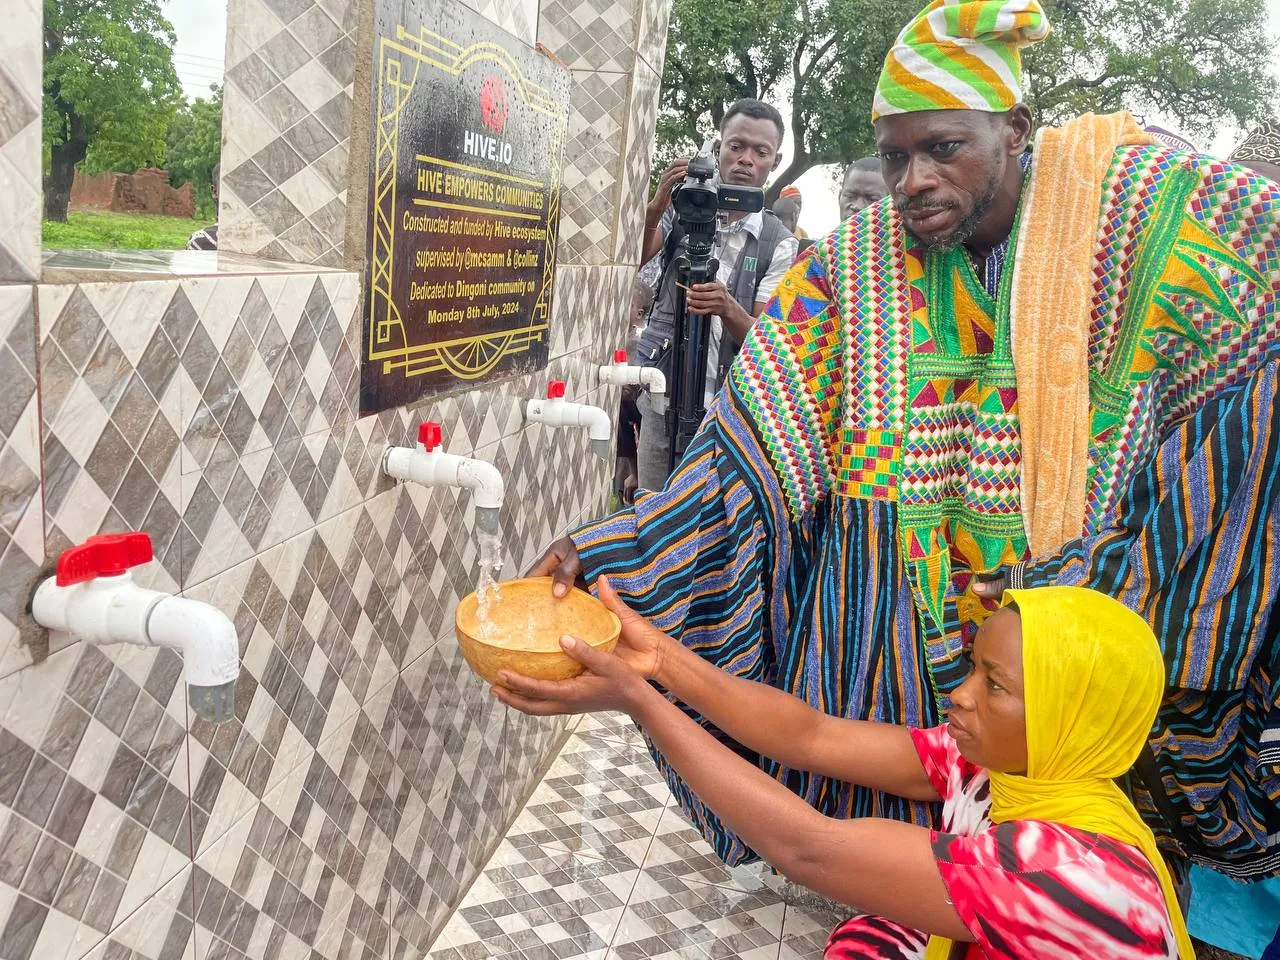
(988, 718)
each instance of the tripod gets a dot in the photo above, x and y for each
(692, 340)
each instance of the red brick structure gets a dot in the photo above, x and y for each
(146, 191)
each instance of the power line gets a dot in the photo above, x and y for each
(201, 74)
(202, 88)
(183, 55)
(199, 67)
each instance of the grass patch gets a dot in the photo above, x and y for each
(103, 230)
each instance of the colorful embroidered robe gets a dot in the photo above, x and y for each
(863, 461)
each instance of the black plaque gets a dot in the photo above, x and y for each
(464, 194)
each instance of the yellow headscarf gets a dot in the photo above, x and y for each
(1093, 679)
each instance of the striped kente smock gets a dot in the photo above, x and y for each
(862, 465)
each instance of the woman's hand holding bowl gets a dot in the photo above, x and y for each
(611, 681)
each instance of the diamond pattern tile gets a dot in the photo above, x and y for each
(602, 813)
(651, 44)
(290, 70)
(538, 903)
(590, 312)
(20, 141)
(679, 852)
(672, 918)
(600, 798)
(94, 799)
(305, 867)
(614, 727)
(590, 34)
(805, 930)
(22, 520)
(642, 118)
(517, 17)
(111, 412)
(593, 156)
(208, 413)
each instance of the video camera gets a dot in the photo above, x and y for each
(700, 196)
(697, 200)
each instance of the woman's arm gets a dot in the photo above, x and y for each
(877, 866)
(775, 724)
(766, 720)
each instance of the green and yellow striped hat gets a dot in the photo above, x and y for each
(960, 55)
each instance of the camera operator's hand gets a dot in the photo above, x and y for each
(662, 198)
(713, 299)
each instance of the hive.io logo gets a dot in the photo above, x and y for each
(493, 102)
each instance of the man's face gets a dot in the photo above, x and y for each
(861, 188)
(943, 169)
(639, 306)
(748, 151)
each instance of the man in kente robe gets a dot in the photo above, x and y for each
(1041, 360)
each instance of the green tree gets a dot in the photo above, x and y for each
(110, 89)
(1206, 62)
(194, 146)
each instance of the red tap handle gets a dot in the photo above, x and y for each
(105, 555)
(429, 435)
(555, 390)
(619, 356)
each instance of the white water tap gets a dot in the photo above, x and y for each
(623, 374)
(93, 597)
(432, 467)
(556, 411)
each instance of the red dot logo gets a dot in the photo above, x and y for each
(493, 102)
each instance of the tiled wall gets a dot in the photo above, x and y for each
(286, 157)
(286, 128)
(20, 154)
(367, 774)
(289, 86)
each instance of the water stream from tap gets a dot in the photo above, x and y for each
(487, 586)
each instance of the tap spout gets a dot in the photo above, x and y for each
(556, 411)
(623, 374)
(562, 413)
(210, 649)
(114, 609)
(436, 469)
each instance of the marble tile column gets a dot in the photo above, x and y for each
(615, 51)
(287, 128)
(295, 125)
(20, 141)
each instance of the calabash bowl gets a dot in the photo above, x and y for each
(524, 627)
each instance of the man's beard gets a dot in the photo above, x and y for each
(966, 227)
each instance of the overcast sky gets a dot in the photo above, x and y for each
(201, 26)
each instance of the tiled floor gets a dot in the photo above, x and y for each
(600, 864)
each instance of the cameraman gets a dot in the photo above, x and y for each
(754, 251)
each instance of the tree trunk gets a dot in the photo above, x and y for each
(793, 171)
(63, 158)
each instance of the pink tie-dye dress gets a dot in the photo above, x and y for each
(1026, 890)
